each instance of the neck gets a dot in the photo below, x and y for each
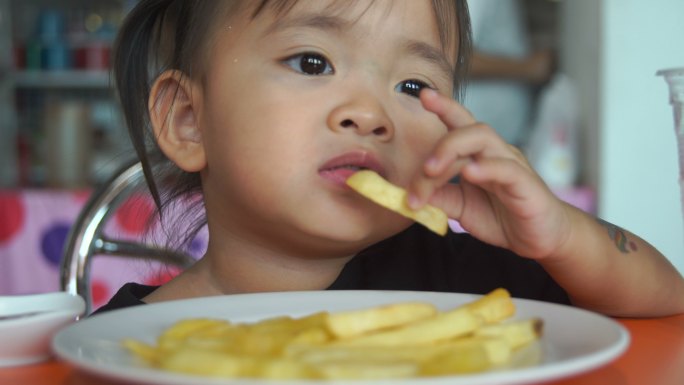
(256, 268)
(245, 267)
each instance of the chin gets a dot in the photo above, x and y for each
(360, 235)
(347, 226)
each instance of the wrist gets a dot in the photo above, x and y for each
(582, 258)
(575, 234)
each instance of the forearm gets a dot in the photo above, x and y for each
(609, 270)
(535, 68)
(488, 66)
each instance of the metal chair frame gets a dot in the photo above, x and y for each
(86, 237)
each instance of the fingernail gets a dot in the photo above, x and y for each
(432, 164)
(413, 201)
(473, 167)
(429, 92)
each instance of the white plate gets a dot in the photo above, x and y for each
(28, 323)
(574, 340)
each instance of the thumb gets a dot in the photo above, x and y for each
(449, 198)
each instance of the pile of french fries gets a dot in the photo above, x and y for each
(411, 339)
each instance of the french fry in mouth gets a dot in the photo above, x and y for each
(374, 187)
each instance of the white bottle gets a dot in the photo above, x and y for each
(552, 148)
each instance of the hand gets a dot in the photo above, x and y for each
(540, 66)
(499, 198)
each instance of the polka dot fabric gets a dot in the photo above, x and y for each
(34, 226)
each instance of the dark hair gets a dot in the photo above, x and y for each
(159, 35)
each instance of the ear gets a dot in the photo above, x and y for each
(174, 107)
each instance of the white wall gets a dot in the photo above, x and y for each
(630, 120)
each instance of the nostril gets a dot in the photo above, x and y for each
(347, 123)
(363, 129)
(380, 131)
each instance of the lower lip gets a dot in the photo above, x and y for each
(337, 176)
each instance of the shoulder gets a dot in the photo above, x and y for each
(130, 294)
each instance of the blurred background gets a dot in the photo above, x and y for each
(59, 124)
(572, 82)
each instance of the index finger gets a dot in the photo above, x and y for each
(452, 113)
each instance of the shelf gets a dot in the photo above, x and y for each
(61, 79)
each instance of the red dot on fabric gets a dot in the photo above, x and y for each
(134, 214)
(163, 276)
(13, 215)
(81, 196)
(100, 292)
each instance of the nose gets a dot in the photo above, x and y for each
(365, 116)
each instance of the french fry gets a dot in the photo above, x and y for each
(356, 370)
(493, 307)
(443, 326)
(372, 186)
(390, 341)
(356, 322)
(332, 353)
(180, 331)
(498, 350)
(490, 308)
(467, 359)
(142, 350)
(208, 363)
(516, 334)
(282, 368)
(288, 324)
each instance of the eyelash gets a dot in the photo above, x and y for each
(321, 66)
(412, 87)
(298, 61)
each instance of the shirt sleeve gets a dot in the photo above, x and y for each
(130, 294)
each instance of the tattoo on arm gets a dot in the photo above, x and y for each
(619, 237)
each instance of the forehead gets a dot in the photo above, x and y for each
(408, 15)
(442, 14)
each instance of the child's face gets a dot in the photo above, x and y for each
(294, 103)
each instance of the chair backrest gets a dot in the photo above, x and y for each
(86, 238)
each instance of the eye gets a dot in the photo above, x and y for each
(310, 63)
(412, 87)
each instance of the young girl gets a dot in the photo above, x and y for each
(266, 107)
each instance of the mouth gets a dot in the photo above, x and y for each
(340, 168)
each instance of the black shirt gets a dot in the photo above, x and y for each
(417, 259)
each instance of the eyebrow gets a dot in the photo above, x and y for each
(431, 54)
(322, 22)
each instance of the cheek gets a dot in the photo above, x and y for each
(418, 141)
(256, 137)
(421, 141)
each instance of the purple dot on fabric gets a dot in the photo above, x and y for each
(52, 242)
(197, 247)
